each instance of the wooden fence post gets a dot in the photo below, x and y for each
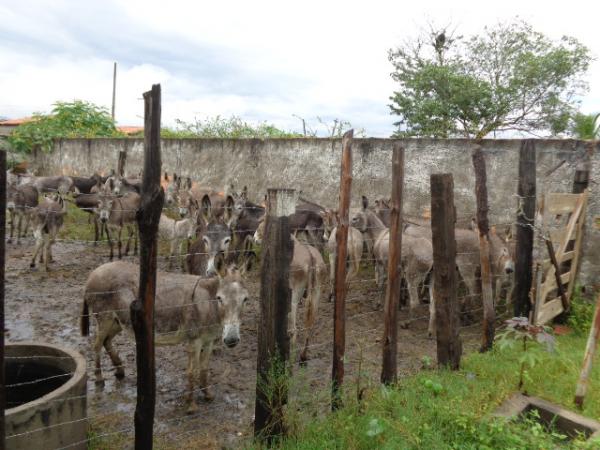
(489, 313)
(275, 297)
(389, 370)
(339, 311)
(142, 309)
(121, 162)
(443, 219)
(590, 349)
(2, 324)
(525, 221)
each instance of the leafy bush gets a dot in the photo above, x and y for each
(78, 119)
(581, 313)
(225, 128)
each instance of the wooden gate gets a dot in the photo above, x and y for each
(562, 219)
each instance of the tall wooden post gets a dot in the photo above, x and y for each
(588, 357)
(489, 313)
(526, 192)
(389, 370)
(142, 309)
(114, 91)
(2, 261)
(275, 297)
(445, 283)
(121, 163)
(339, 311)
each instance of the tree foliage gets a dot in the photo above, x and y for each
(509, 78)
(77, 119)
(220, 127)
(586, 126)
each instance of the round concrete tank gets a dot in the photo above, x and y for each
(46, 402)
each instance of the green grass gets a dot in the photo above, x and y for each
(451, 410)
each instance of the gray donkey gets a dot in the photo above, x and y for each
(48, 218)
(189, 310)
(20, 203)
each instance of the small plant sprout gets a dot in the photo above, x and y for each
(518, 329)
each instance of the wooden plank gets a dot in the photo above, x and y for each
(571, 226)
(339, 309)
(546, 263)
(549, 311)
(550, 283)
(275, 297)
(577, 247)
(590, 349)
(389, 367)
(445, 282)
(142, 308)
(525, 221)
(559, 284)
(489, 313)
(561, 203)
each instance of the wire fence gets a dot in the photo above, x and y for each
(232, 372)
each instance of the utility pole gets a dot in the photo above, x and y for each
(114, 90)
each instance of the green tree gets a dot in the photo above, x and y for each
(585, 126)
(77, 119)
(509, 78)
(221, 127)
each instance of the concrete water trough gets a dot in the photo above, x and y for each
(563, 420)
(45, 397)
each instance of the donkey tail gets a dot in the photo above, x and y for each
(85, 318)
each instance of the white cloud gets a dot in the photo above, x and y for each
(261, 60)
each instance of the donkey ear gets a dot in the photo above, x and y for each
(493, 230)
(206, 207)
(188, 183)
(229, 202)
(220, 265)
(166, 176)
(365, 202)
(245, 193)
(508, 233)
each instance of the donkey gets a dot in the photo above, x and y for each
(243, 219)
(60, 184)
(307, 220)
(20, 202)
(307, 273)
(119, 185)
(331, 221)
(468, 262)
(88, 202)
(172, 189)
(213, 241)
(84, 185)
(48, 218)
(188, 309)
(416, 260)
(176, 232)
(118, 213)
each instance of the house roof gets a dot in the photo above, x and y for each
(16, 122)
(130, 129)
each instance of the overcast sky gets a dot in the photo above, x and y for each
(260, 60)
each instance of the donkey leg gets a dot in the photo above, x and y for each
(297, 292)
(39, 242)
(12, 226)
(110, 242)
(95, 231)
(120, 242)
(19, 225)
(312, 306)
(431, 327)
(192, 353)
(332, 258)
(114, 355)
(204, 358)
(46, 252)
(102, 329)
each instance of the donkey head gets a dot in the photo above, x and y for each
(216, 239)
(231, 297)
(500, 254)
(172, 190)
(104, 207)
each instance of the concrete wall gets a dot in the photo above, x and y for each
(313, 166)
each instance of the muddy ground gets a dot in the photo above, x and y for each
(46, 306)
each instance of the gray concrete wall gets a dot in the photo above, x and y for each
(313, 166)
